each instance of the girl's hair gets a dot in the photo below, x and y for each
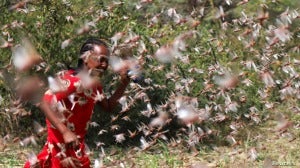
(89, 45)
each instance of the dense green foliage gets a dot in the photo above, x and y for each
(212, 51)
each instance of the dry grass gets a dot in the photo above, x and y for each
(262, 147)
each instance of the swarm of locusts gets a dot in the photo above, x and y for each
(199, 95)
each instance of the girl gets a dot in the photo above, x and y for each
(68, 110)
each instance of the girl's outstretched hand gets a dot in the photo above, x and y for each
(124, 74)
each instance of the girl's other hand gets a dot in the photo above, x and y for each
(70, 139)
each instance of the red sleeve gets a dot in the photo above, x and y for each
(71, 84)
(99, 88)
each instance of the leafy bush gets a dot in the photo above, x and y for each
(259, 60)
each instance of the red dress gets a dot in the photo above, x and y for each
(74, 106)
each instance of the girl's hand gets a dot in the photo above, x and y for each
(124, 74)
(71, 139)
(71, 162)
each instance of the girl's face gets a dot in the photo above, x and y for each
(98, 58)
